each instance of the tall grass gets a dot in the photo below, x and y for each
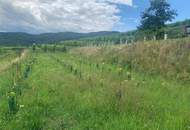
(99, 89)
(170, 58)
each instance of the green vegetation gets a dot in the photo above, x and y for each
(25, 39)
(97, 81)
(154, 18)
(174, 30)
(139, 86)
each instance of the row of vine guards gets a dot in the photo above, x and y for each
(187, 30)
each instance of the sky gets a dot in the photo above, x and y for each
(42, 16)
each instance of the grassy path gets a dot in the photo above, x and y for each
(11, 59)
(72, 93)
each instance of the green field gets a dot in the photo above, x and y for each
(96, 88)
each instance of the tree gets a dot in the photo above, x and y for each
(155, 17)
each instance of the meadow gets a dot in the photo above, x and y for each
(143, 86)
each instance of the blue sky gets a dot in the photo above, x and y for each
(42, 16)
(130, 16)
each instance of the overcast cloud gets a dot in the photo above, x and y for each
(39, 16)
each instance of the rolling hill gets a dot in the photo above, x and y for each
(174, 30)
(18, 38)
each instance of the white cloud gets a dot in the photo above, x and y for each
(37, 16)
(126, 2)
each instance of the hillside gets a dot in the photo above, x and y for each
(174, 30)
(8, 38)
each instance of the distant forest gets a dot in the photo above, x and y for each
(18, 38)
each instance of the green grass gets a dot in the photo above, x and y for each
(6, 57)
(93, 95)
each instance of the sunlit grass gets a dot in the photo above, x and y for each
(76, 91)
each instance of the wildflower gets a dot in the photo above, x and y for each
(120, 69)
(21, 106)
